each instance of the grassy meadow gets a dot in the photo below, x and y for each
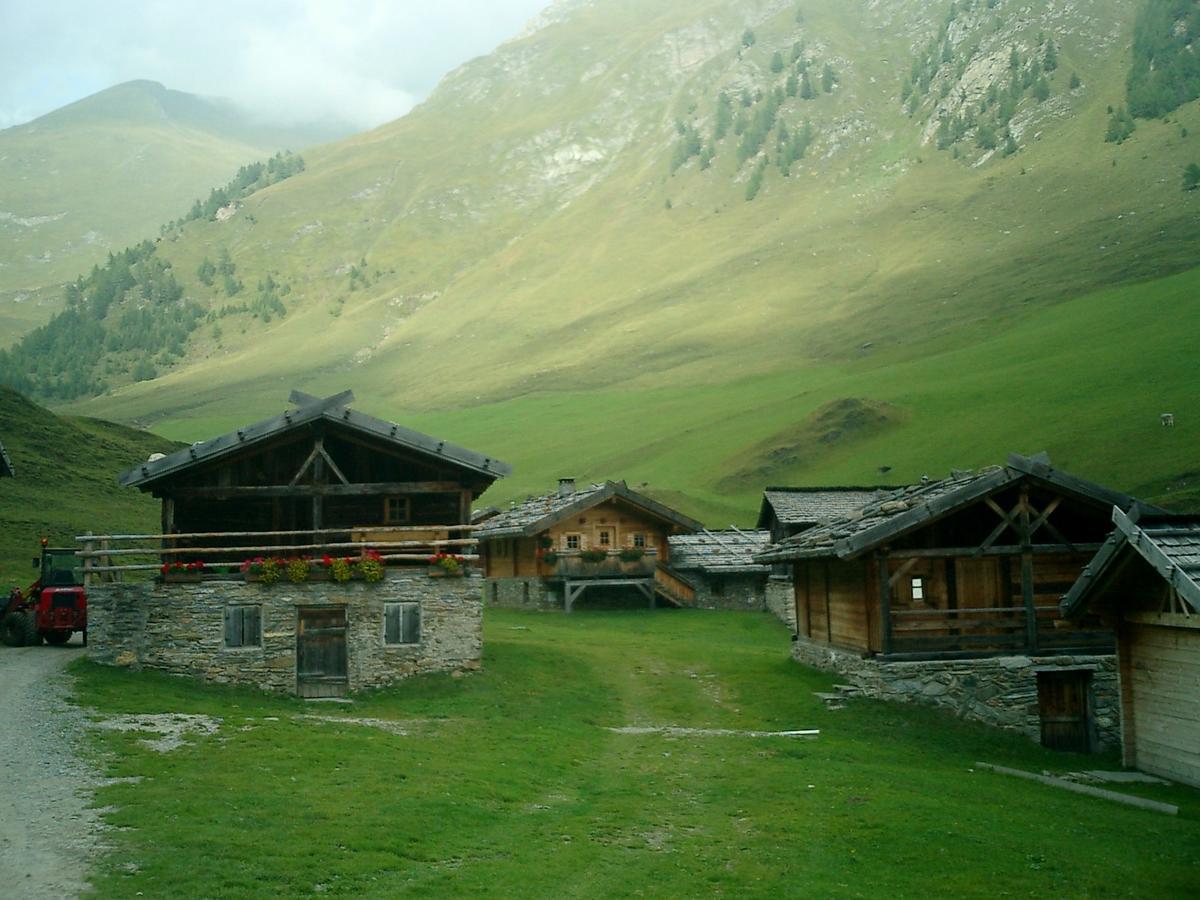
(509, 782)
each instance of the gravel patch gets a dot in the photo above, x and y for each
(48, 833)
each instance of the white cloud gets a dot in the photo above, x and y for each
(362, 61)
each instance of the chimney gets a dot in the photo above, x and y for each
(566, 487)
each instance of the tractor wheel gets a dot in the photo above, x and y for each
(16, 628)
(57, 637)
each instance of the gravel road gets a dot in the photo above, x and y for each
(47, 835)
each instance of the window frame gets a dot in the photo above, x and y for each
(566, 541)
(401, 503)
(403, 627)
(916, 585)
(238, 611)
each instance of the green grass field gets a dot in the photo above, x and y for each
(509, 782)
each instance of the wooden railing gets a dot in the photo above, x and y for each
(572, 564)
(989, 629)
(673, 585)
(111, 556)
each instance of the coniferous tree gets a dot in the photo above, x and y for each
(776, 62)
(1191, 177)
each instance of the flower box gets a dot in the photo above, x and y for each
(439, 572)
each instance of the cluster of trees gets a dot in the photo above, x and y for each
(116, 320)
(754, 117)
(248, 179)
(225, 269)
(1166, 63)
(1120, 125)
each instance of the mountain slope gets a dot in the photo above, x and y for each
(541, 246)
(66, 482)
(105, 172)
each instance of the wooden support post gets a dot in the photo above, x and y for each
(1026, 535)
(88, 562)
(464, 507)
(318, 501)
(885, 602)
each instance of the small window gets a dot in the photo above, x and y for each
(401, 623)
(639, 541)
(243, 626)
(571, 541)
(395, 510)
(604, 538)
(918, 588)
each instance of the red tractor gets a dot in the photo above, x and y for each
(54, 606)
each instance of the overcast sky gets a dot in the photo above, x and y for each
(362, 61)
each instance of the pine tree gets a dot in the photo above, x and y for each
(776, 62)
(1191, 177)
(1050, 60)
(806, 88)
(828, 79)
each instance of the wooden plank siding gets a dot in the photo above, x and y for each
(1162, 725)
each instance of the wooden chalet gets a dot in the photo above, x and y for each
(1145, 583)
(6, 466)
(721, 569)
(320, 467)
(967, 568)
(319, 481)
(546, 551)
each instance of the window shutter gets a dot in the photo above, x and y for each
(233, 631)
(391, 623)
(412, 623)
(251, 626)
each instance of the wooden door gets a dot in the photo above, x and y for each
(1063, 704)
(321, 652)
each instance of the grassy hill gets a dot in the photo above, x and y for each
(107, 171)
(66, 482)
(539, 262)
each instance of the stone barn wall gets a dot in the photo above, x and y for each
(741, 591)
(180, 628)
(521, 593)
(781, 600)
(999, 691)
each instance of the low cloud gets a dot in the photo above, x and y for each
(359, 61)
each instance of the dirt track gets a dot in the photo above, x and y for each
(47, 835)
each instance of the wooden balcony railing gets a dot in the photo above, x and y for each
(574, 564)
(989, 630)
(112, 556)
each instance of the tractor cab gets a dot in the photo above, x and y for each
(59, 568)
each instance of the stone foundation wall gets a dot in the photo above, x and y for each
(781, 600)
(180, 628)
(742, 592)
(521, 593)
(1000, 691)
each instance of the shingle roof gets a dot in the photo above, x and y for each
(1170, 544)
(6, 466)
(311, 409)
(719, 551)
(815, 506)
(905, 509)
(538, 513)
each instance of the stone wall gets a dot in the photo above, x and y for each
(728, 591)
(999, 691)
(180, 628)
(521, 593)
(781, 600)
